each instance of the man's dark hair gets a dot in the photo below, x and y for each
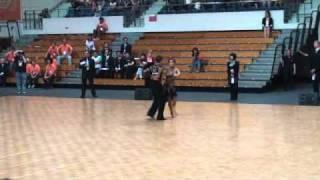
(158, 59)
(233, 55)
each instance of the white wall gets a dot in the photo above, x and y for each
(167, 23)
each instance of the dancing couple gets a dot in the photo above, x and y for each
(162, 85)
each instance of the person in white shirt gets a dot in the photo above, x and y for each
(90, 44)
(97, 59)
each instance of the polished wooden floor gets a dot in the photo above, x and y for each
(69, 139)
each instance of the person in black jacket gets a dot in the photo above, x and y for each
(87, 66)
(125, 47)
(129, 66)
(3, 72)
(20, 65)
(233, 76)
(288, 69)
(267, 23)
(315, 66)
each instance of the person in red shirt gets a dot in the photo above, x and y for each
(50, 73)
(52, 50)
(101, 28)
(33, 74)
(9, 58)
(64, 52)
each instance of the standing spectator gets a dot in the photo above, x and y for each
(172, 72)
(125, 47)
(33, 74)
(267, 23)
(3, 72)
(53, 50)
(20, 65)
(288, 68)
(196, 61)
(65, 52)
(87, 66)
(50, 73)
(102, 28)
(9, 57)
(233, 76)
(129, 66)
(90, 44)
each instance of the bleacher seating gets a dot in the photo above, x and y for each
(215, 48)
(177, 7)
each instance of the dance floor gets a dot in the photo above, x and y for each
(69, 139)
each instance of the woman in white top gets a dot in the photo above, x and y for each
(90, 45)
(97, 60)
(267, 23)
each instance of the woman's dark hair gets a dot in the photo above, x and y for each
(158, 59)
(101, 18)
(233, 55)
(195, 51)
(268, 13)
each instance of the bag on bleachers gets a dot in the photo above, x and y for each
(308, 99)
(142, 94)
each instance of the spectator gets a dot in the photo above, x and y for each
(129, 66)
(50, 73)
(53, 50)
(101, 28)
(150, 58)
(97, 60)
(267, 23)
(140, 67)
(107, 62)
(3, 72)
(196, 61)
(65, 52)
(20, 65)
(90, 45)
(9, 57)
(125, 47)
(33, 74)
(119, 65)
(233, 76)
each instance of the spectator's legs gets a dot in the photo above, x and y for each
(29, 80)
(91, 84)
(51, 80)
(59, 59)
(69, 58)
(24, 82)
(18, 82)
(198, 65)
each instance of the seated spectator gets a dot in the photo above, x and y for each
(33, 74)
(107, 62)
(50, 73)
(97, 59)
(125, 47)
(119, 66)
(112, 5)
(101, 28)
(44, 13)
(52, 50)
(90, 44)
(65, 52)
(9, 57)
(150, 59)
(196, 61)
(3, 72)
(129, 66)
(140, 67)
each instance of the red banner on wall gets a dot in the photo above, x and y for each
(10, 10)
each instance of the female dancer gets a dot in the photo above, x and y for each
(171, 73)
